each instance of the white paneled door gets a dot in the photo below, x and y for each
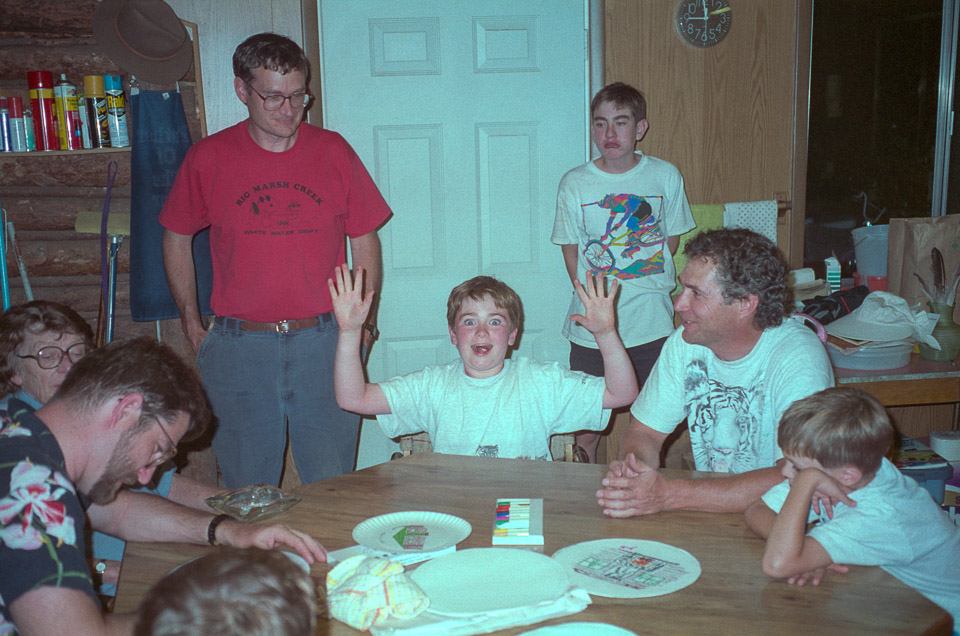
(466, 113)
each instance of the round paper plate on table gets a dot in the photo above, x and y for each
(628, 568)
(489, 579)
(411, 531)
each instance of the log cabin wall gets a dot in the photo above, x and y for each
(42, 192)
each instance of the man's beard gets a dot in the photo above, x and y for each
(119, 469)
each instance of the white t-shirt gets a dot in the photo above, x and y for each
(620, 223)
(895, 525)
(733, 409)
(512, 414)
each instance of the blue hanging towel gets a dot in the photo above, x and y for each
(160, 141)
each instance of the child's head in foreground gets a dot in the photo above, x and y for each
(231, 592)
(836, 430)
(484, 316)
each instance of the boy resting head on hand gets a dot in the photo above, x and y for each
(869, 513)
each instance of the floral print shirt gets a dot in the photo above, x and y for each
(41, 516)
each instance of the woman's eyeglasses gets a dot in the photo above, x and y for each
(52, 357)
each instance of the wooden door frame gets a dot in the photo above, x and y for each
(801, 119)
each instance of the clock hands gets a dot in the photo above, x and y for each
(706, 14)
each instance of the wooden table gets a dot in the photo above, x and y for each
(732, 596)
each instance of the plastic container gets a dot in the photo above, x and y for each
(873, 283)
(870, 248)
(917, 461)
(869, 358)
(933, 479)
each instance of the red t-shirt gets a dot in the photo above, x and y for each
(277, 219)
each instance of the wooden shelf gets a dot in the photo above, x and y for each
(54, 153)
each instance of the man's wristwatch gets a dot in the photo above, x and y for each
(372, 328)
(212, 528)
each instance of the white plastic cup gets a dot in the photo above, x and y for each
(870, 248)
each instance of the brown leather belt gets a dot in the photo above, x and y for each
(281, 326)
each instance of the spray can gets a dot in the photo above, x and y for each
(84, 121)
(116, 111)
(18, 137)
(42, 103)
(5, 143)
(96, 101)
(28, 130)
(65, 97)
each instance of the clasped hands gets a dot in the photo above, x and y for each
(632, 487)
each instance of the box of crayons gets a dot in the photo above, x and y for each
(518, 522)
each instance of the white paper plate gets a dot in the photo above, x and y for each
(580, 629)
(628, 568)
(293, 556)
(411, 531)
(489, 579)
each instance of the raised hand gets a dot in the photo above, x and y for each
(350, 305)
(599, 315)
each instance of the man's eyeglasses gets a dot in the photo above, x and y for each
(51, 357)
(275, 102)
(162, 456)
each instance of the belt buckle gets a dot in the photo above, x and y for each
(282, 326)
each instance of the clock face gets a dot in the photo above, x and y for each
(703, 23)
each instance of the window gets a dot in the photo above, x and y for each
(881, 94)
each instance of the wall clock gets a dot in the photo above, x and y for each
(703, 23)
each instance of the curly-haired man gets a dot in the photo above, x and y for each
(731, 369)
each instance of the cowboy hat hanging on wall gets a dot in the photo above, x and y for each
(145, 38)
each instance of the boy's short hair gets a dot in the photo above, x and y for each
(623, 96)
(231, 592)
(477, 288)
(838, 426)
(745, 263)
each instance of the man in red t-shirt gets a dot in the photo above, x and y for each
(280, 197)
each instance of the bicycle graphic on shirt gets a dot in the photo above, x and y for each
(632, 225)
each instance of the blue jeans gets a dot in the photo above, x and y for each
(262, 384)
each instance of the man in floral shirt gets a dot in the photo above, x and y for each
(118, 415)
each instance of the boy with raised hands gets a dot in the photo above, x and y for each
(483, 403)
